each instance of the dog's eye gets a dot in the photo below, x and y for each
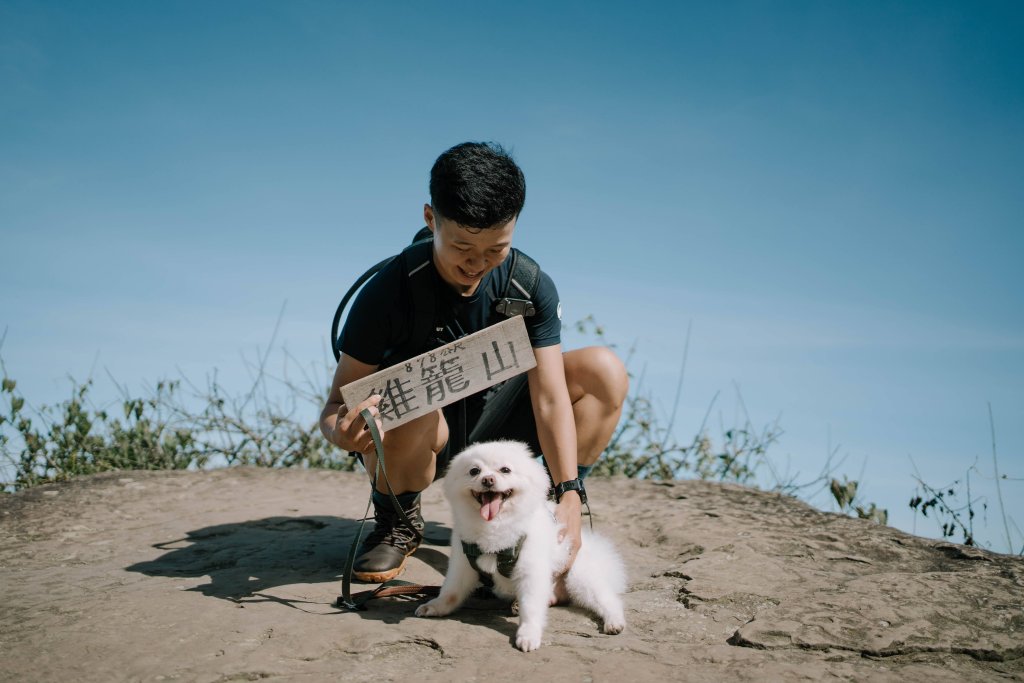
(506, 470)
(474, 471)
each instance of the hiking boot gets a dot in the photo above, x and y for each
(391, 541)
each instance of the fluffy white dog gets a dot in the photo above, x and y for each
(498, 496)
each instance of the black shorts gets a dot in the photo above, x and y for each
(502, 412)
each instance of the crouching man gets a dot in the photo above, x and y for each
(566, 409)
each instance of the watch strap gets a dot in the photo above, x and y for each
(572, 485)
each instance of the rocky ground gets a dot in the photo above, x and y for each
(232, 574)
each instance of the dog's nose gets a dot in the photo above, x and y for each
(487, 482)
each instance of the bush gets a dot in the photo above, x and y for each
(160, 431)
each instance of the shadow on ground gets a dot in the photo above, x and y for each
(245, 558)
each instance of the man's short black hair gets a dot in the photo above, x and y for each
(478, 185)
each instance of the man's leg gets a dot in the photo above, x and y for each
(410, 456)
(598, 385)
(410, 453)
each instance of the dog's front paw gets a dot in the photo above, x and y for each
(434, 608)
(528, 637)
(613, 626)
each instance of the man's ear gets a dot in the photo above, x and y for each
(428, 217)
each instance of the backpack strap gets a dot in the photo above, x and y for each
(517, 299)
(425, 334)
(336, 322)
(417, 258)
(424, 234)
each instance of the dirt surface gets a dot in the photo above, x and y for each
(232, 574)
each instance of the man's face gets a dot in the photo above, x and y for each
(464, 255)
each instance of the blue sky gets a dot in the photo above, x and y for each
(828, 191)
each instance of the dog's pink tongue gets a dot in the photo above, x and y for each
(490, 506)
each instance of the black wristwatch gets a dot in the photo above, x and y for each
(571, 485)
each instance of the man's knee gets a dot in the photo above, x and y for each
(410, 453)
(598, 372)
(416, 438)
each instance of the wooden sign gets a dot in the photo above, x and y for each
(437, 378)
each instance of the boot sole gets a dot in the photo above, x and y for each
(380, 577)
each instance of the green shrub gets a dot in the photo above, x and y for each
(160, 431)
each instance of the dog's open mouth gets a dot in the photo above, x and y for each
(490, 502)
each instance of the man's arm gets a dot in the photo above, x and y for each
(556, 430)
(342, 427)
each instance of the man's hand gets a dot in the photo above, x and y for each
(568, 512)
(350, 431)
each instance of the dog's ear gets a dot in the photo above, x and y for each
(454, 475)
(521, 449)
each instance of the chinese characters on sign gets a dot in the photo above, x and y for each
(501, 367)
(437, 378)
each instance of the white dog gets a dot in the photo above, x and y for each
(498, 496)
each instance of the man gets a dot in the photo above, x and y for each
(573, 401)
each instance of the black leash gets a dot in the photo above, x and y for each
(358, 601)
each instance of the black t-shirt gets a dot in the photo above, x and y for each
(381, 319)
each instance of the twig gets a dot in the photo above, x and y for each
(1017, 529)
(942, 505)
(999, 490)
(679, 386)
(258, 379)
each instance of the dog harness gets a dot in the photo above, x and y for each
(507, 559)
